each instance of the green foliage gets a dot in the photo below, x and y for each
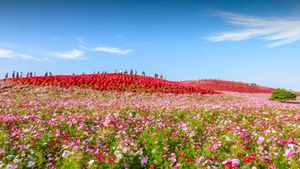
(71, 162)
(283, 95)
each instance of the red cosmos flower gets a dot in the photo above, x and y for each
(239, 154)
(212, 158)
(189, 160)
(232, 167)
(67, 135)
(100, 157)
(253, 156)
(112, 159)
(247, 159)
(250, 158)
(181, 155)
(175, 134)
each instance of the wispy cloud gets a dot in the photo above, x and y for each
(112, 50)
(73, 54)
(6, 53)
(107, 49)
(277, 31)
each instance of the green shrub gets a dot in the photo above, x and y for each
(283, 95)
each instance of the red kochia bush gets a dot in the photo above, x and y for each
(222, 85)
(115, 81)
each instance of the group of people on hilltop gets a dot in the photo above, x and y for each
(33, 74)
(48, 74)
(20, 74)
(132, 72)
(158, 76)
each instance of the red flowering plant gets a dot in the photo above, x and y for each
(116, 82)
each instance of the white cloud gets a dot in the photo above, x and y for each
(112, 50)
(73, 54)
(106, 49)
(5, 53)
(277, 31)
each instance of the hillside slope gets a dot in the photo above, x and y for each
(114, 81)
(223, 85)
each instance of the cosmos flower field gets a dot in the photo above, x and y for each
(57, 127)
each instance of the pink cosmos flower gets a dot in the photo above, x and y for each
(289, 153)
(52, 122)
(126, 165)
(30, 164)
(184, 126)
(228, 161)
(199, 160)
(173, 158)
(272, 167)
(144, 160)
(231, 163)
(235, 162)
(14, 166)
(260, 140)
(282, 142)
(290, 141)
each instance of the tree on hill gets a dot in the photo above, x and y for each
(283, 95)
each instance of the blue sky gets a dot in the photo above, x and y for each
(251, 40)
